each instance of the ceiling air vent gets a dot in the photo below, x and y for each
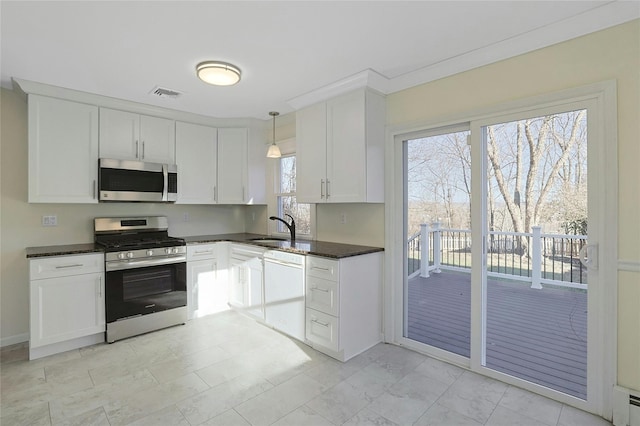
(165, 93)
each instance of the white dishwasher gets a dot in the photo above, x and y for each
(284, 292)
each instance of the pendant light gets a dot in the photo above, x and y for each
(274, 151)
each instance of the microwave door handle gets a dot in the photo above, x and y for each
(165, 188)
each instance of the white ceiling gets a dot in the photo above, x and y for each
(288, 51)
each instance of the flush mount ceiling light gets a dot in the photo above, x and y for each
(218, 73)
(274, 151)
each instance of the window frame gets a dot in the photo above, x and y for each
(287, 148)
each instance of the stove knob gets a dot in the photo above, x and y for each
(149, 252)
(168, 250)
(121, 255)
(130, 255)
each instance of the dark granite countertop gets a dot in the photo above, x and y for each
(306, 247)
(62, 250)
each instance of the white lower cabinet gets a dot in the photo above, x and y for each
(67, 305)
(343, 304)
(207, 292)
(246, 279)
(322, 329)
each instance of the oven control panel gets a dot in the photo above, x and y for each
(147, 254)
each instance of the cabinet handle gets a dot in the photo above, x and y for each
(75, 265)
(324, 324)
(100, 287)
(243, 193)
(321, 188)
(95, 188)
(321, 269)
(327, 189)
(203, 251)
(143, 150)
(215, 193)
(324, 290)
(137, 150)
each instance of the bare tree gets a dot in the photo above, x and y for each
(544, 147)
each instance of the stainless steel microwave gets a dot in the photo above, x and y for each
(124, 180)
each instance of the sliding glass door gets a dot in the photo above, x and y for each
(501, 223)
(438, 229)
(535, 291)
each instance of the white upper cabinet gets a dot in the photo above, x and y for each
(340, 149)
(129, 136)
(63, 151)
(196, 157)
(232, 166)
(212, 164)
(311, 153)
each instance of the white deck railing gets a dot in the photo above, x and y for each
(532, 257)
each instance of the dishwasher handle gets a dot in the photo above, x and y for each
(282, 262)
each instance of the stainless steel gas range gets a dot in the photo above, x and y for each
(146, 274)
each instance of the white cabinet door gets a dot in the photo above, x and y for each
(205, 294)
(311, 135)
(255, 288)
(238, 284)
(119, 134)
(157, 140)
(129, 136)
(346, 153)
(196, 157)
(63, 151)
(65, 308)
(340, 149)
(232, 166)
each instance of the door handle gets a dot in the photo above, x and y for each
(321, 188)
(588, 256)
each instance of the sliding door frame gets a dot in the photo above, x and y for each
(604, 113)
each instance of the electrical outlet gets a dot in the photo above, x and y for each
(343, 218)
(50, 220)
(185, 217)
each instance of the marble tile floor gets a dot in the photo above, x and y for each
(227, 370)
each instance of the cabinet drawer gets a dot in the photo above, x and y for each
(322, 295)
(201, 251)
(321, 267)
(61, 266)
(322, 329)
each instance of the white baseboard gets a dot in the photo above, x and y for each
(13, 340)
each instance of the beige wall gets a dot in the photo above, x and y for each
(610, 54)
(20, 222)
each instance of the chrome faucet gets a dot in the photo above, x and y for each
(292, 227)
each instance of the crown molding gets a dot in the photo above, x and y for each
(367, 78)
(596, 19)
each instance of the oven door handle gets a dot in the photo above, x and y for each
(117, 265)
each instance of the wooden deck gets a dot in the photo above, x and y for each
(536, 335)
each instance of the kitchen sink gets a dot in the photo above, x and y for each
(268, 240)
